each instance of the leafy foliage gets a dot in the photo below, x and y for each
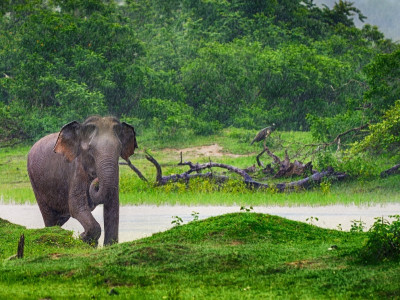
(383, 240)
(189, 68)
(383, 136)
(383, 78)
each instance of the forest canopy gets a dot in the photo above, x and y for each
(193, 66)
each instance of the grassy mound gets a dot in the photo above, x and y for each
(240, 255)
(244, 228)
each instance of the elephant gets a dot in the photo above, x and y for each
(75, 170)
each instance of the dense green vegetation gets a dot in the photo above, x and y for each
(191, 67)
(235, 256)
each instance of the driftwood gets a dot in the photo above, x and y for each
(391, 171)
(248, 180)
(286, 167)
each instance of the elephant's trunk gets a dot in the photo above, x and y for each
(105, 186)
(104, 190)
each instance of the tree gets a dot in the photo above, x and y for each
(384, 82)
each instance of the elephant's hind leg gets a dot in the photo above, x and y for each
(50, 216)
(62, 219)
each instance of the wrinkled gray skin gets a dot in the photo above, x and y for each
(76, 169)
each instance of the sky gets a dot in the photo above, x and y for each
(383, 13)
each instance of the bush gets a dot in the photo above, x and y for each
(356, 166)
(327, 128)
(384, 240)
(383, 135)
(169, 119)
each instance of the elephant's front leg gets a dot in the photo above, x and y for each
(82, 213)
(111, 221)
(80, 210)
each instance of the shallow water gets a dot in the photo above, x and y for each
(141, 221)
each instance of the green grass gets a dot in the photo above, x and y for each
(234, 256)
(14, 180)
(15, 186)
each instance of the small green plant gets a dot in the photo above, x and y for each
(311, 220)
(176, 221)
(246, 209)
(384, 240)
(235, 187)
(357, 226)
(325, 187)
(272, 189)
(195, 215)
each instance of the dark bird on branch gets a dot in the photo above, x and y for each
(263, 133)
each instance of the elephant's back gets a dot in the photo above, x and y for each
(48, 171)
(41, 152)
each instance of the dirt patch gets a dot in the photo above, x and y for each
(236, 243)
(311, 264)
(55, 256)
(213, 150)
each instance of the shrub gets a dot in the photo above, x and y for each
(384, 240)
(358, 166)
(327, 128)
(383, 135)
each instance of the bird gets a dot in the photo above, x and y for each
(263, 133)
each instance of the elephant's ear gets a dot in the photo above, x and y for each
(128, 140)
(68, 141)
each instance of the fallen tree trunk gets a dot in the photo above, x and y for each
(391, 171)
(248, 180)
(186, 176)
(304, 183)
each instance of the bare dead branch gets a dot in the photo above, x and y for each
(186, 176)
(157, 165)
(275, 158)
(136, 170)
(198, 167)
(259, 163)
(321, 146)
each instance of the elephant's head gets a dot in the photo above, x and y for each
(96, 145)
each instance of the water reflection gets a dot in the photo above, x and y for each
(144, 220)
